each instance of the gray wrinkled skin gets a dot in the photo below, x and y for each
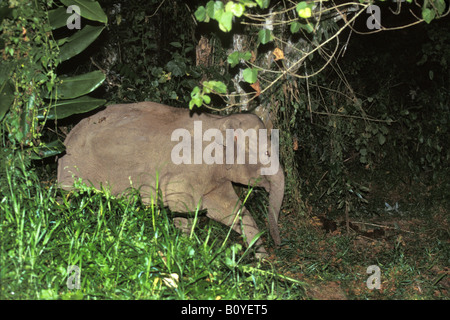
(130, 145)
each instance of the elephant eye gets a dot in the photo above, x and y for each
(267, 153)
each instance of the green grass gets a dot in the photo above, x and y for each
(123, 249)
(127, 250)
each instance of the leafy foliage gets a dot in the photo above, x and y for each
(331, 125)
(123, 249)
(309, 17)
(28, 62)
(139, 63)
(29, 85)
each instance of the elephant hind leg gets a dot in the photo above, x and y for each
(223, 204)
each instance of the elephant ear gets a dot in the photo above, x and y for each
(230, 122)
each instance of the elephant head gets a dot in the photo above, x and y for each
(197, 157)
(247, 133)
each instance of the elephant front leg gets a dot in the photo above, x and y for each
(223, 205)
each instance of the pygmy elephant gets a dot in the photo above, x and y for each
(192, 159)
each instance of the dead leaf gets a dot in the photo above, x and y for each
(278, 53)
(295, 146)
(253, 58)
(256, 87)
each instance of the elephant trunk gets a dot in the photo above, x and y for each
(276, 194)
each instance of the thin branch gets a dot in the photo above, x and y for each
(382, 226)
(352, 116)
(157, 9)
(318, 14)
(294, 65)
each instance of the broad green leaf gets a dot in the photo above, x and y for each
(230, 6)
(264, 36)
(177, 68)
(263, 4)
(225, 21)
(197, 101)
(76, 86)
(236, 9)
(250, 75)
(220, 87)
(308, 27)
(6, 97)
(79, 41)
(248, 3)
(207, 88)
(58, 17)
(200, 14)
(247, 55)
(195, 91)
(301, 5)
(48, 150)
(210, 9)
(235, 57)
(295, 27)
(239, 10)
(61, 42)
(303, 10)
(196, 98)
(381, 139)
(217, 86)
(440, 6)
(65, 108)
(206, 98)
(214, 8)
(176, 44)
(88, 9)
(428, 15)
